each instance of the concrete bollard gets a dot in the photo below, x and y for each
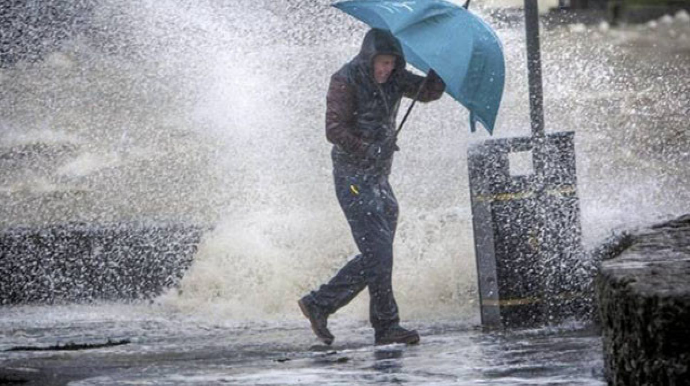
(644, 302)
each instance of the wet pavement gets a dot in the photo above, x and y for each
(170, 349)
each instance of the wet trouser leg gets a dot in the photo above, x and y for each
(372, 212)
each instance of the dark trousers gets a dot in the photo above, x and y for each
(372, 212)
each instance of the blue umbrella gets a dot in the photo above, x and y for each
(463, 50)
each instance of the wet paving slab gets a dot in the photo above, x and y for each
(124, 345)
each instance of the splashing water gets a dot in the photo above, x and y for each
(212, 113)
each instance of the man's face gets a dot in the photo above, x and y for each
(383, 66)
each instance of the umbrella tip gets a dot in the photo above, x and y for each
(467, 4)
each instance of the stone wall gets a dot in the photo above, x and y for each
(85, 262)
(644, 304)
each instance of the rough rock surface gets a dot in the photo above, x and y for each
(80, 262)
(644, 301)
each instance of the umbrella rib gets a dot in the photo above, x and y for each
(444, 13)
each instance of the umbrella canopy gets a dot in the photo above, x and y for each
(435, 34)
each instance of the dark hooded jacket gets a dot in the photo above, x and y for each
(361, 113)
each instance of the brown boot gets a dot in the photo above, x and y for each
(318, 320)
(397, 334)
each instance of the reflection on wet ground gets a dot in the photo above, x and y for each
(169, 349)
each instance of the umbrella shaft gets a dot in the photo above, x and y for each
(409, 109)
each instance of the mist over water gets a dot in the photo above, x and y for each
(212, 113)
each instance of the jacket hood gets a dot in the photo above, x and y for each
(379, 42)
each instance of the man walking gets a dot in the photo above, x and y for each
(362, 104)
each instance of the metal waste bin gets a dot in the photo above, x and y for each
(527, 230)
